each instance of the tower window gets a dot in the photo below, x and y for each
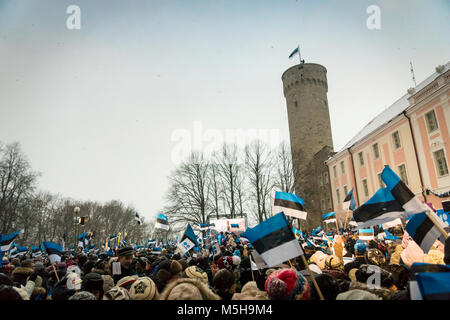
(402, 171)
(342, 167)
(396, 138)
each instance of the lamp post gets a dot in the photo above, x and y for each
(76, 210)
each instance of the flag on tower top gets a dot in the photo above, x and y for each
(293, 53)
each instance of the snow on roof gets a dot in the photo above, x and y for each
(391, 112)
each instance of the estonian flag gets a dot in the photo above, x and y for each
(138, 219)
(204, 226)
(54, 251)
(434, 285)
(329, 215)
(381, 208)
(273, 240)
(189, 233)
(7, 240)
(162, 222)
(293, 53)
(389, 236)
(410, 203)
(235, 225)
(290, 204)
(349, 202)
(366, 234)
(423, 231)
(316, 231)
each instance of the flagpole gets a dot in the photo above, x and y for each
(299, 55)
(312, 278)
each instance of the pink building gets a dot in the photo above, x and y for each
(411, 136)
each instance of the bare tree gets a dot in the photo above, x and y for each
(17, 182)
(285, 177)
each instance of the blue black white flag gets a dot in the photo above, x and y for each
(273, 240)
(423, 231)
(329, 215)
(189, 233)
(138, 218)
(366, 234)
(434, 285)
(296, 50)
(349, 202)
(289, 204)
(162, 222)
(54, 251)
(8, 239)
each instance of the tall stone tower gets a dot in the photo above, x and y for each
(305, 89)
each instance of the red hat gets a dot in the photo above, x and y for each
(226, 263)
(288, 276)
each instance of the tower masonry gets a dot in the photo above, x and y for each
(305, 89)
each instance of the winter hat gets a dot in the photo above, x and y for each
(357, 294)
(27, 264)
(223, 280)
(333, 262)
(434, 257)
(250, 291)
(360, 247)
(228, 262)
(195, 272)
(126, 282)
(285, 286)
(83, 295)
(9, 293)
(365, 271)
(38, 266)
(117, 293)
(303, 289)
(74, 268)
(73, 281)
(93, 281)
(319, 258)
(328, 286)
(375, 257)
(108, 282)
(188, 289)
(144, 289)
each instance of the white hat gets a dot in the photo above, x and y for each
(73, 281)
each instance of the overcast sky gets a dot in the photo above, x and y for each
(101, 111)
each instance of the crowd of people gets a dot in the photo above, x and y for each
(341, 271)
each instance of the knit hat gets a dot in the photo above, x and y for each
(144, 289)
(303, 289)
(195, 272)
(83, 295)
(125, 251)
(228, 262)
(357, 294)
(188, 289)
(38, 266)
(281, 283)
(74, 268)
(73, 281)
(117, 293)
(93, 281)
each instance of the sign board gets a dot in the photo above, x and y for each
(224, 225)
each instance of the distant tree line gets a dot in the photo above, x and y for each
(50, 217)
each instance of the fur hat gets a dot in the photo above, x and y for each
(195, 272)
(375, 257)
(383, 293)
(188, 289)
(83, 295)
(117, 293)
(108, 282)
(27, 263)
(144, 289)
(434, 257)
(223, 280)
(357, 294)
(319, 258)
(328, 285)
(250, 291)
(333, 262)
(169, 269)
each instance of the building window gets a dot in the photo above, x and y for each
(402, 171)
(338, 196)
(296, 104)
(345, 191)
(380, 181)
(328, 203)
(320, 180)
(366, 188)
(441, 163)
(325, 178)
(342, 167)
(334, 171)
(322, 205)
(431, 121)
(396, 138)
(361, 159)
(376, 152)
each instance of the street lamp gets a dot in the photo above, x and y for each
(76, 210)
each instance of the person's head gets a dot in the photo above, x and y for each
(125, 257)
(360, 248)
(281, 283)
(93, 282)
(375, 257)
(224, 281)
(328, 286)
(144, 289)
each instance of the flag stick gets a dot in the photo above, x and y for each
(312, 278)
(56, 273)
(251, 268)
(436, 224)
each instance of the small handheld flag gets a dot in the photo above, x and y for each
(290, 204)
